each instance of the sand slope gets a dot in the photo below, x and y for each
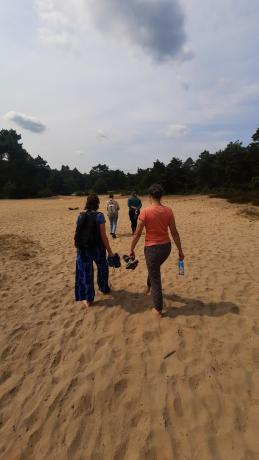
(117, 383)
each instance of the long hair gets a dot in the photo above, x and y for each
(92, 202)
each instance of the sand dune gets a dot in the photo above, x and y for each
(117, 383)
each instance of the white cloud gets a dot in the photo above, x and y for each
(183, 82)
(175, 130)
(58, 38)
(100, 134)
(218, 101)
(58, 22)
(156, 27)
(108, 83)
(25, 121)
(80, 153)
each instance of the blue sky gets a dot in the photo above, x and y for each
(124, 82)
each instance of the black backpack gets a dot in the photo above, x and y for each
(87, 234)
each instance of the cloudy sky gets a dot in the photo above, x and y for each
(124, 82)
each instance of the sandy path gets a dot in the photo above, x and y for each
(117, 383)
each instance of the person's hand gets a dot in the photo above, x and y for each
(181, 255)
(132, 255)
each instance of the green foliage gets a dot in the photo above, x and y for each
(255, 136)
(236, 168)
(9, 190)
(100, 185)
(45, 193)
(237, 196)
(255, 183)
(79, 193)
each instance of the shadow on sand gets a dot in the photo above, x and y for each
(139, 302)
(125, 235)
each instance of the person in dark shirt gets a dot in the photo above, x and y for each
(134, 205)
(97, 244)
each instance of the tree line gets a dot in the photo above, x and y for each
(236, 168)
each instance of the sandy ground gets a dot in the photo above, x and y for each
(117, 383)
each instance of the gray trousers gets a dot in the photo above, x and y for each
(155, 257)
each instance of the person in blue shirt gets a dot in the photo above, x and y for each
(92, 243)
(134, 205)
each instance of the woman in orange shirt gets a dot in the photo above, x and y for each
(156, 219)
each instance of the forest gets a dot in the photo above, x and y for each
(232, 172)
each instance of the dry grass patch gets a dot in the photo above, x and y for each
(250, 213)
(17, 247)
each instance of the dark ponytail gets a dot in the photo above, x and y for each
(156, 191)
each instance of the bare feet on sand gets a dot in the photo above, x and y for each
(87, 304)
(157, 312)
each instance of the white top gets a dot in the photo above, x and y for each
(112, 208)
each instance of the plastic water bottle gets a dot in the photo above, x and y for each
(181, 267)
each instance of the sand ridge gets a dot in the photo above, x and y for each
(117, 383)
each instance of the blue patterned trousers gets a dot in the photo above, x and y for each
(84, 283)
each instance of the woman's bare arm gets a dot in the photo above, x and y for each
(176, 237)
(136, 237)
(105, 239)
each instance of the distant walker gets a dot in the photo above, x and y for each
(134, 205)
(113, 214)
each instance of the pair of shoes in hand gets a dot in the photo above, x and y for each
(131, 263)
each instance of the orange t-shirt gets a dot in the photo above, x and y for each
(156, 219)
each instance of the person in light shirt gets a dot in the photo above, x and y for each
(113, 208)
(157, 220)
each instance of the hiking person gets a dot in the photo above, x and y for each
(92, 243)
(113, 214)
(134, 205)
(156, 219)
